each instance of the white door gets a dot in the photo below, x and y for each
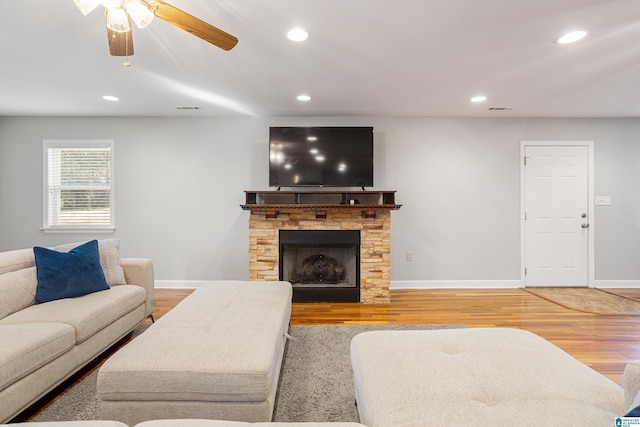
(556, 222)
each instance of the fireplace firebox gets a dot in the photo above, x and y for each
(322, 265)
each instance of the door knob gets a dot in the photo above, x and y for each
(585, 225)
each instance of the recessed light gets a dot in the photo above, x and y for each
(571, 37)
(479, 98)
(110, 98)
(303, 98)
(297, 35)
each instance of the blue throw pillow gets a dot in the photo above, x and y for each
(68, 274)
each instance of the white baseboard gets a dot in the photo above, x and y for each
(397, 284)
(454, 284)
(426, 284)
(617, 284)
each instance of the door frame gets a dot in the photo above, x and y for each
(590, 205)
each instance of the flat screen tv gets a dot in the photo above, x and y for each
(321, 156)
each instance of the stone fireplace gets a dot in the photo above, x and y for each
(374, 257)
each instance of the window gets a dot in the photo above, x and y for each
(78, 193)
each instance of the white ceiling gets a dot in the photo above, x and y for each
(363, 57)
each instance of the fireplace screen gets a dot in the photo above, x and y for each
(320, 258)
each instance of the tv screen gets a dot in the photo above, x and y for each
(321, 156)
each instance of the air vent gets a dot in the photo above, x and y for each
(187, 108)
(500, 108)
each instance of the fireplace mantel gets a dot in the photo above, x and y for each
(274, 202)
(272, 211)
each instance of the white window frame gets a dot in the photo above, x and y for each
(75, 144)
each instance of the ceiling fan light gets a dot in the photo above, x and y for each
(138, 12)
(111, 4)
(86, 6)
(118, 20)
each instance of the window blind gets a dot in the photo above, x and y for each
(79, 191)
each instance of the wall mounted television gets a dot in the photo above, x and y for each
(321, 156)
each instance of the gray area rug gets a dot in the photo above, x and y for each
(316, 380)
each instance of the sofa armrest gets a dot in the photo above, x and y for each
(632, 385)
(139, 271)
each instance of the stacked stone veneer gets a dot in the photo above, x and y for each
(375, 245)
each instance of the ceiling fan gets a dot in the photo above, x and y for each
(120, 13)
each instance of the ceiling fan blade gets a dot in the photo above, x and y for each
(120, 44)
(190, 23)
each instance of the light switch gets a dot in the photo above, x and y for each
(603, 200)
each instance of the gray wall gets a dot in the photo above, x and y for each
(179, 183)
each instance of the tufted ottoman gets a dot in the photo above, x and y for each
(216, 355)
(476, 377)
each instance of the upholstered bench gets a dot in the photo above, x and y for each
(216, 355)
(477, 377)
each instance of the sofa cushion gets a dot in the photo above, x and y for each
(16, 260)
(68, 274)
(27, 347)
(110, 261)
(17, 290)
(87, 314)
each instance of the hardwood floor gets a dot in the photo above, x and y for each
(606, 343)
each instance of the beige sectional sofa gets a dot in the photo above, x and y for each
(44, 344)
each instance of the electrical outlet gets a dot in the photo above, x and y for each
(409, 256)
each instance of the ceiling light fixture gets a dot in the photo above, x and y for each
(118, 20)
(479, 98)
(119, 11)
(139, 13)
(111, 98)
(111, 4)
(297, 35)
(571, 37)
(87, 6)
(303, 98)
